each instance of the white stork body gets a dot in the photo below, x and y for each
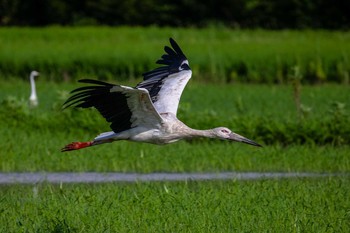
(146, 113)
(33, 99)
(170, 130)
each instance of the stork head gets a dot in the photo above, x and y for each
(34, 73)
(227, 134)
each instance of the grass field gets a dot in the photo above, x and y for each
(294, 205)
(217, 55)
(31, 138)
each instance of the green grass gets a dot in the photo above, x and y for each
(42, 153)
(289, 205)
(220, 55)
(221, 101)
(31, 139)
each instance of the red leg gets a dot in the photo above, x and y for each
(76, 146)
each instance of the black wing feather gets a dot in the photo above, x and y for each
(153, 80)
(111, 105)
(168, 50)
(176, 46)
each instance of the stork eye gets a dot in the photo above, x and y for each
(224, 131)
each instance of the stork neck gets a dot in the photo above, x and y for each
(208, 133)
(32, 84)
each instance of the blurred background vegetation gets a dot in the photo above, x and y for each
(255, 41)
(268, 14)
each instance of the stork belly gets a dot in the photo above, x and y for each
(154, 137)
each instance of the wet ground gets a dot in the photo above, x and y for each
(95, 177)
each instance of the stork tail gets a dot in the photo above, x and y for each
(76, 146)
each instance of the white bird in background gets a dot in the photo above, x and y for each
(146, 113)
(33, 99)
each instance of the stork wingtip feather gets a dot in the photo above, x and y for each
(171, 40)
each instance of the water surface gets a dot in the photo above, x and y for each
(96, 177)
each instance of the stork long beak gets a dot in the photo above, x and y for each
(239, 138)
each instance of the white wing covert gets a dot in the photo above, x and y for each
(165, 84)
(124, 107)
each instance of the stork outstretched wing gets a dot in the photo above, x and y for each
(124, 107)
(166, 83)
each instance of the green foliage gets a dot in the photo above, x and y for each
(31, 139)
(287, 205)
(326, 123)
(332, 127)
(215, 55)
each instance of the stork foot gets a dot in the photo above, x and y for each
(76, 146)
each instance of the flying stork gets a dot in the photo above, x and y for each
(147, 112)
